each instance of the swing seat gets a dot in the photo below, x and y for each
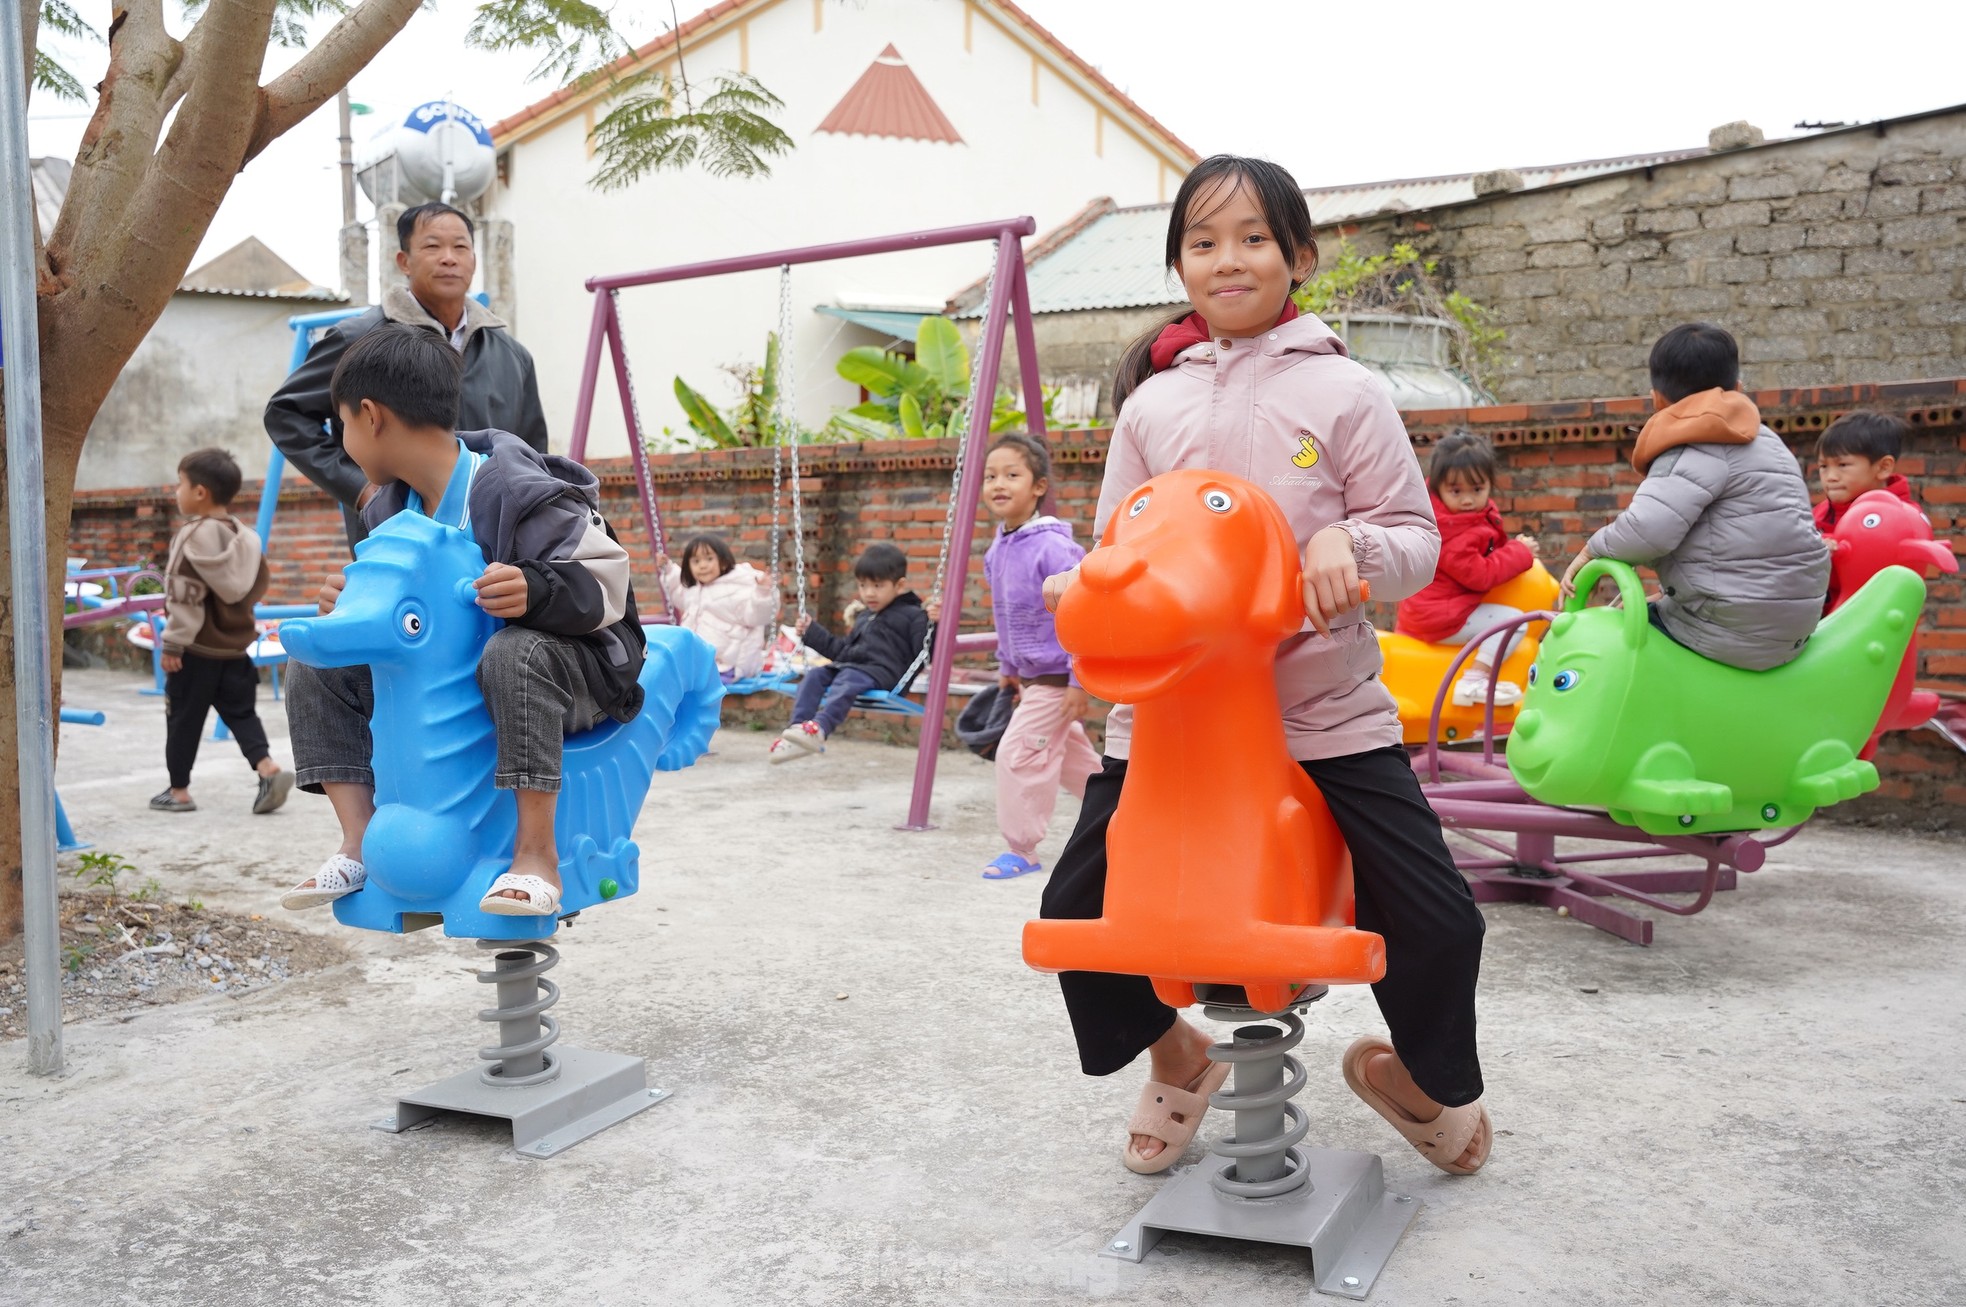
(442, 833)
(762, 683)
(1621, 718)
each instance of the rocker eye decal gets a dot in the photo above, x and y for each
(1137, 507)
(1532, 673)
(1565, 680)
(412, 625)
(1218, 501)
(1872, 520)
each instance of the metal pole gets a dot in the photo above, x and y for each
(27, 539)
(907, 240)
(346, 115)
(1027, 348)
(936, 705)
(590, 373)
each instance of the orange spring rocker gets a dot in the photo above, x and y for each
(1225, 867)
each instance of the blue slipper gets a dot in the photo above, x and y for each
(1008, 866)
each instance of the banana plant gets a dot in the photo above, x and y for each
(916, 399)
(752, 422)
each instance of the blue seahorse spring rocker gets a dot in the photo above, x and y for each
(442, 833)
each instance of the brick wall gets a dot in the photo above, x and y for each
(1564, 473)
(1838, 258)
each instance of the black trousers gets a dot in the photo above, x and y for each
(1408, 891)
(190, 693)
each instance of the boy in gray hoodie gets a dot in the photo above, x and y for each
(214, 576)
(1723, 515)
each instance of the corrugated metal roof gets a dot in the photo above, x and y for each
(889, 100)
(1115, 262)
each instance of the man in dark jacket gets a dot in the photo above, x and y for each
(887, 638)
(500, 391)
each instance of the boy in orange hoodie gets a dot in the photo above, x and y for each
(1722, 516)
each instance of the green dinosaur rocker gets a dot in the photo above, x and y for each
(1620, 717)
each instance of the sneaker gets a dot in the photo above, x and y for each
(783, 750)
(806, 735)
(163, 802)
(1471, 691)
(273, 791)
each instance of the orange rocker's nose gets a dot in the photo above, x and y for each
(1111, 567)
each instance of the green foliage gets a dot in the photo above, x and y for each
(100, 870)
(75, 954)
(915, 399)
(1405, 281)
(60, 17)
(751, 423)
(729, 134)
(575, 40)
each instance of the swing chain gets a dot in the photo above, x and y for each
(976, 385)
(657, 539)
(785, 432)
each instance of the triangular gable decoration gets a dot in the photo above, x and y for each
(889, 100)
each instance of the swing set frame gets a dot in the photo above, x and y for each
(1009, 304)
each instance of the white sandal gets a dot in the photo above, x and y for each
(338, 876)
(541, 899)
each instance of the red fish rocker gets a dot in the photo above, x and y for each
(1877, 530)
(1226, 867)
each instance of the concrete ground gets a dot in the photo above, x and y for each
(875, 1102)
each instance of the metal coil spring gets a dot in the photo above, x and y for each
(1251, 1047)
(525, 1031)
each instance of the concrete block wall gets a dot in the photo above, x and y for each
(1564, 472)
(1836, 259)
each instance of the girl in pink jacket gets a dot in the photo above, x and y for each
(730, 604)
(1245, 385)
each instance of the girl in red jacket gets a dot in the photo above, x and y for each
(1476, 555)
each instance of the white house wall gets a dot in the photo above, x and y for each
(1046, 159)
(202, 376)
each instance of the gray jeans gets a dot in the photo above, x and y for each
(1483, 617)
(533, 689)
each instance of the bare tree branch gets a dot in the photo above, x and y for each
(116, 146)
(30, 24)
(347, 48)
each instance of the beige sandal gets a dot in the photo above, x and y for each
(1441, 1140)
(1154, 1117)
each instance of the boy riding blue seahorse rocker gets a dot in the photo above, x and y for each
(571, 648)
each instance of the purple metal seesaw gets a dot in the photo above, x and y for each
(1013, 306)
(1478, 799)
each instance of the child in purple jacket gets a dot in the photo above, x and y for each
(1045, 746)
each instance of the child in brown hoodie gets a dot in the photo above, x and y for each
(1722, 516)
(215, 575)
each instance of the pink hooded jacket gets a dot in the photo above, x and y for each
(731, 614)
(1291, 412)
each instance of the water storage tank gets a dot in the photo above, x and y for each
(436, 151)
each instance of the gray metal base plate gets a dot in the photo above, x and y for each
(1343, 1215)
(592, 1092)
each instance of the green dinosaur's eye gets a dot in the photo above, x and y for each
(1565, 680)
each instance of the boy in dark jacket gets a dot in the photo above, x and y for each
(572, 646)
(216, 573)
(887, 638)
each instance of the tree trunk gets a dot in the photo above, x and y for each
(61, 494)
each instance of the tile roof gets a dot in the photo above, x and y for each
(560, 102)
(889, 100)
(1108, 258)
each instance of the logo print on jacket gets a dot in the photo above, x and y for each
(1307, 452)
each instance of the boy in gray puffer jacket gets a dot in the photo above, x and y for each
(1723, 515)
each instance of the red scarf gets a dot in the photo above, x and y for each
(1193, 330)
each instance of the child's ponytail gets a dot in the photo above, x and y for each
(1137, 364)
